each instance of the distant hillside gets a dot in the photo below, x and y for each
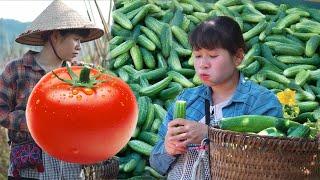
(9, 29)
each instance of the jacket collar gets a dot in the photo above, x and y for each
(28, 60)
(240, 94)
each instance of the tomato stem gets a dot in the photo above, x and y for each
(83, 81)
(85, 75)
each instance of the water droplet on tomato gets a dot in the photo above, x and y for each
(88, 91)
(38, 101)
(75, 151)
(122, 104)
(79, 97)
(75, 91)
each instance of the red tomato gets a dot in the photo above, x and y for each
(78, 124)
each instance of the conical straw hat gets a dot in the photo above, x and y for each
(57, 16)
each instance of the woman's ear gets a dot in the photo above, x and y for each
(238, 56)
(54, 36)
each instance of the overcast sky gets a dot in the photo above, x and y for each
(28, 10)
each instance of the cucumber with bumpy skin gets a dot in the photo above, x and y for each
(181, 35)
(156, 125)
(307, 106)
(155, 88)
(255, 30)
(134, 159)
(151, 35)
(122, 48)
(143, 103)
(148, 58)
(197, 6)
(302, 77)
(171, 92)
(122, 19)
(248, 123)
(166, 40)
(312, 45)
(292, 71)
(146, 42)
(150, 117)
(160, 112)
(301, 131)
(180, 109)
(140, 147)
(284, 48)
(121, 60)
(286, 21)
(266, 6)
(179, 78)
(149, 137)
(136, 57)
(154, 25)
(276, 77)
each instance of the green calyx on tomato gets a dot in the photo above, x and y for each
(83, 81)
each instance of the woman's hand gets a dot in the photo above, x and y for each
(185, 132)
(173, 147)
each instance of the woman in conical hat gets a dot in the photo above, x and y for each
(60, 30)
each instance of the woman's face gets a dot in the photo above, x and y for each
(68, 47)
(215, 66)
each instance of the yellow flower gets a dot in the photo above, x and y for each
(287, 97)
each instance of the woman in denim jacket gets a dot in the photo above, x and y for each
(218, 48)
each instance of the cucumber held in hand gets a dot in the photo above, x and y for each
(180, 109)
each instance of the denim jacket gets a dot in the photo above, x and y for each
(248, 98)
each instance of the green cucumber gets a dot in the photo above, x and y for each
(149, 137)
(180, 109)
(155, 88)
(140, 147)
(150, 117)
(179, 78)
(248, 123)
(312, 45)
(122, 19)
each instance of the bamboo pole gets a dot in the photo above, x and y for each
(110, 10)
(105, 25)
(101, 46)
(96, 42)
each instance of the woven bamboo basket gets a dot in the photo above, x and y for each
(236, 156)
(108, 169)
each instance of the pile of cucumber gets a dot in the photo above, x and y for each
(150, 51)
(269, 126)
